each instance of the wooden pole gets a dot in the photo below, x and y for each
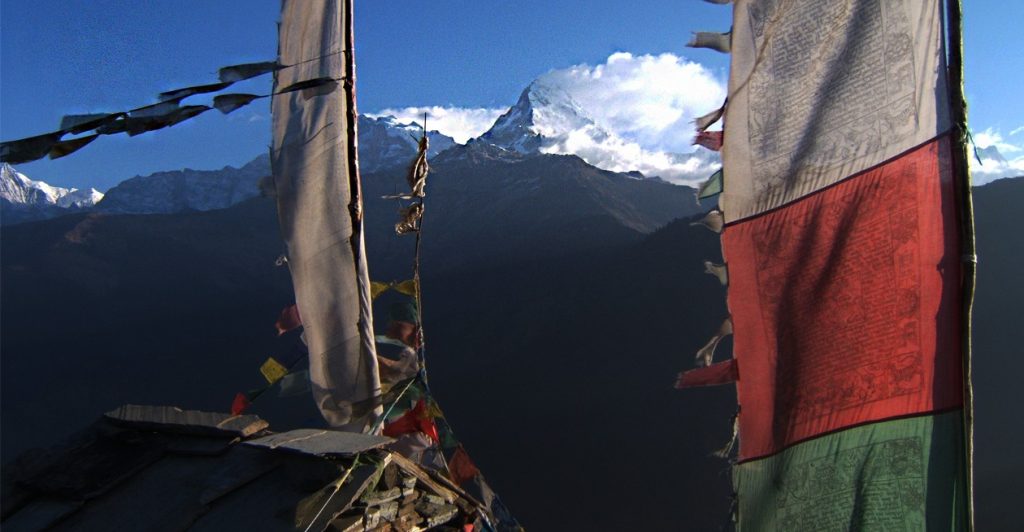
(962, 176)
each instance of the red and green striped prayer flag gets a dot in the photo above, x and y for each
(842, 240)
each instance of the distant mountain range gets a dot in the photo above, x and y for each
(24, 200)
(542, 122)
(383, 142)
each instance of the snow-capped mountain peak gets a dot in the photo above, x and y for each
(543, 116)
(547, 119)
(18, 189)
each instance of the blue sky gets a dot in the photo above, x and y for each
(66, 56)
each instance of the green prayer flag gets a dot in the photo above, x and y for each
(712, 186)
(890, 475)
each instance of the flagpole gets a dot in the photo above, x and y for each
(969, 260)
(355, 189)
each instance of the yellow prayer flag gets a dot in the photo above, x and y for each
(377, 288)
(272, 370)
(434, 410)
(407, 287)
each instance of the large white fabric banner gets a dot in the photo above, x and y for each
(821, 90)
(313, 139)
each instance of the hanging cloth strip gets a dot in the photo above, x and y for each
(165, 113)
(720, 271)
(68, 147)
(719, 42)
(234, 73)
(707, 353)
(725, 372)
(711, 187)
(714, 221)
(313, 151)
(706, 121)
(711, 140)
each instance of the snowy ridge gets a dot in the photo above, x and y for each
(186, 190)
(18, 189)
(385, 142)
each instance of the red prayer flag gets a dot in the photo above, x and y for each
(240, 404)
(417, 419)
(288, 320)
(846, 304)
(405, 332)
(725, 372)
(461, 467)
(711, 140)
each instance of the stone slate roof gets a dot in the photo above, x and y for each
(162, 468)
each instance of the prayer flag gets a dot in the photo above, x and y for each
(719, 373)
(407, 287)
(272, 370)
(240, 404)
(288, 320)
(841, 238)
(405, 332)
(417, 419)
(316, 178)
(461, 467)
(711, 140)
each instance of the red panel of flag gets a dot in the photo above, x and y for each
(725, 372)
(288, 320)
(417, 419)
(846, 303)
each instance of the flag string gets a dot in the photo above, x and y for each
(165, 113)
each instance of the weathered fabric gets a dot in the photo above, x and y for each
(845, 304)
(178, 94)
(76, 124)
(705, 121)
(711, 140)
(417, 177)
(895, 475)
(841, 237)
(294, 384)
(289, 319)
(461, 467)
(716, 374)
(28, 149)
(272, 370)
(711, 187)
(409, 219)
(67, 147)
(226, 103)
(417, 419)
(319, 212)
(248, 70)
(819, 91)
(707, 353)
(718, 42)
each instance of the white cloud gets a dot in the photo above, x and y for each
(990, 168)
(647, 99)
(460, 123)
(992, 137)
(619, 155)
